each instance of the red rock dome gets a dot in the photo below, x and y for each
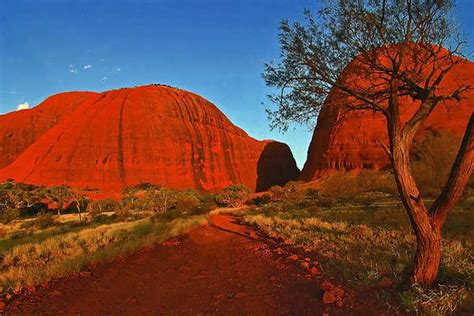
(20, 129)
(155, 134)
(351, 140)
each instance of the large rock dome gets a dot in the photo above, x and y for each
(157, 134)
(345, 140)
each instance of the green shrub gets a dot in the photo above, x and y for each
(233, 196)
(44, 221)
(8, 214)
(186, 203)
(344, 186)
(95, 208)
(262, 199)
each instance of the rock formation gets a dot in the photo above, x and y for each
(155, 134)
(351, 140)
(20, 129)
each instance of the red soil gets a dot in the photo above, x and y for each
(222, 268)
(155, 134)
(350, 140)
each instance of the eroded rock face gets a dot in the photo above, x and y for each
(351, 140)
(20, 129)
(155, 134)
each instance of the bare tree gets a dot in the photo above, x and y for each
(379, 55)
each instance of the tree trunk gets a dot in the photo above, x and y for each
(427, 257)
(428, 236)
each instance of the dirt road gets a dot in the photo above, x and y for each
(221, 268)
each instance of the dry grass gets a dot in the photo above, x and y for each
(363, 242)
(48, 254)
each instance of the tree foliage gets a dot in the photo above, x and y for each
(382, 35)
(380, 55)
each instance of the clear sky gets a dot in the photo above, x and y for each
(215, 48)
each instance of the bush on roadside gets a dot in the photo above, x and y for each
(261, 199)
(8, 214)
(290, 191)
(233, 196)
(96, 208)
(186, 203)
(44, 221)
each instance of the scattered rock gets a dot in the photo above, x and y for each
(326, 285)
(385, 283)
(287, 242)
(31, 289)
(170, 243)
(56, 293)
(2, 306)
(253, 235)
(315, 271)
(85, 274)
(240, 295)
(307, 259)
(329, 298)
(279, 251)
(132, 300)
(306, 265)
(8, 297)
(293, 257)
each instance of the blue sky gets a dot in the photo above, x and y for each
(215, 48)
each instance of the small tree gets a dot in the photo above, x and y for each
(161, 200)
(81, 202)
(61, 196)
(395, 51)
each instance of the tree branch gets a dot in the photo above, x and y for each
(460, 173)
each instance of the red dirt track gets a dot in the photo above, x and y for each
(221, 268)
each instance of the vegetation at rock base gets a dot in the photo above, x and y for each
(391, 58)
(362, 238)
(48, 233)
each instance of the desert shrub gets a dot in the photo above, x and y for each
(262, 199)
(44, 221)
(61, 196)
(123, 213)
(344, 186)
(161, 200)
(186, 203)
(95, 208)
(8, 214)
(207, 203)
(131, 194)
(233, 196)
(290, 191)
(432, 159)
(313, 193)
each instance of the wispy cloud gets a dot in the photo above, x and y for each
(72, 69)
(22, 106)
(105, 78)
(13, 92)
(88, 66)
(118, 69)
